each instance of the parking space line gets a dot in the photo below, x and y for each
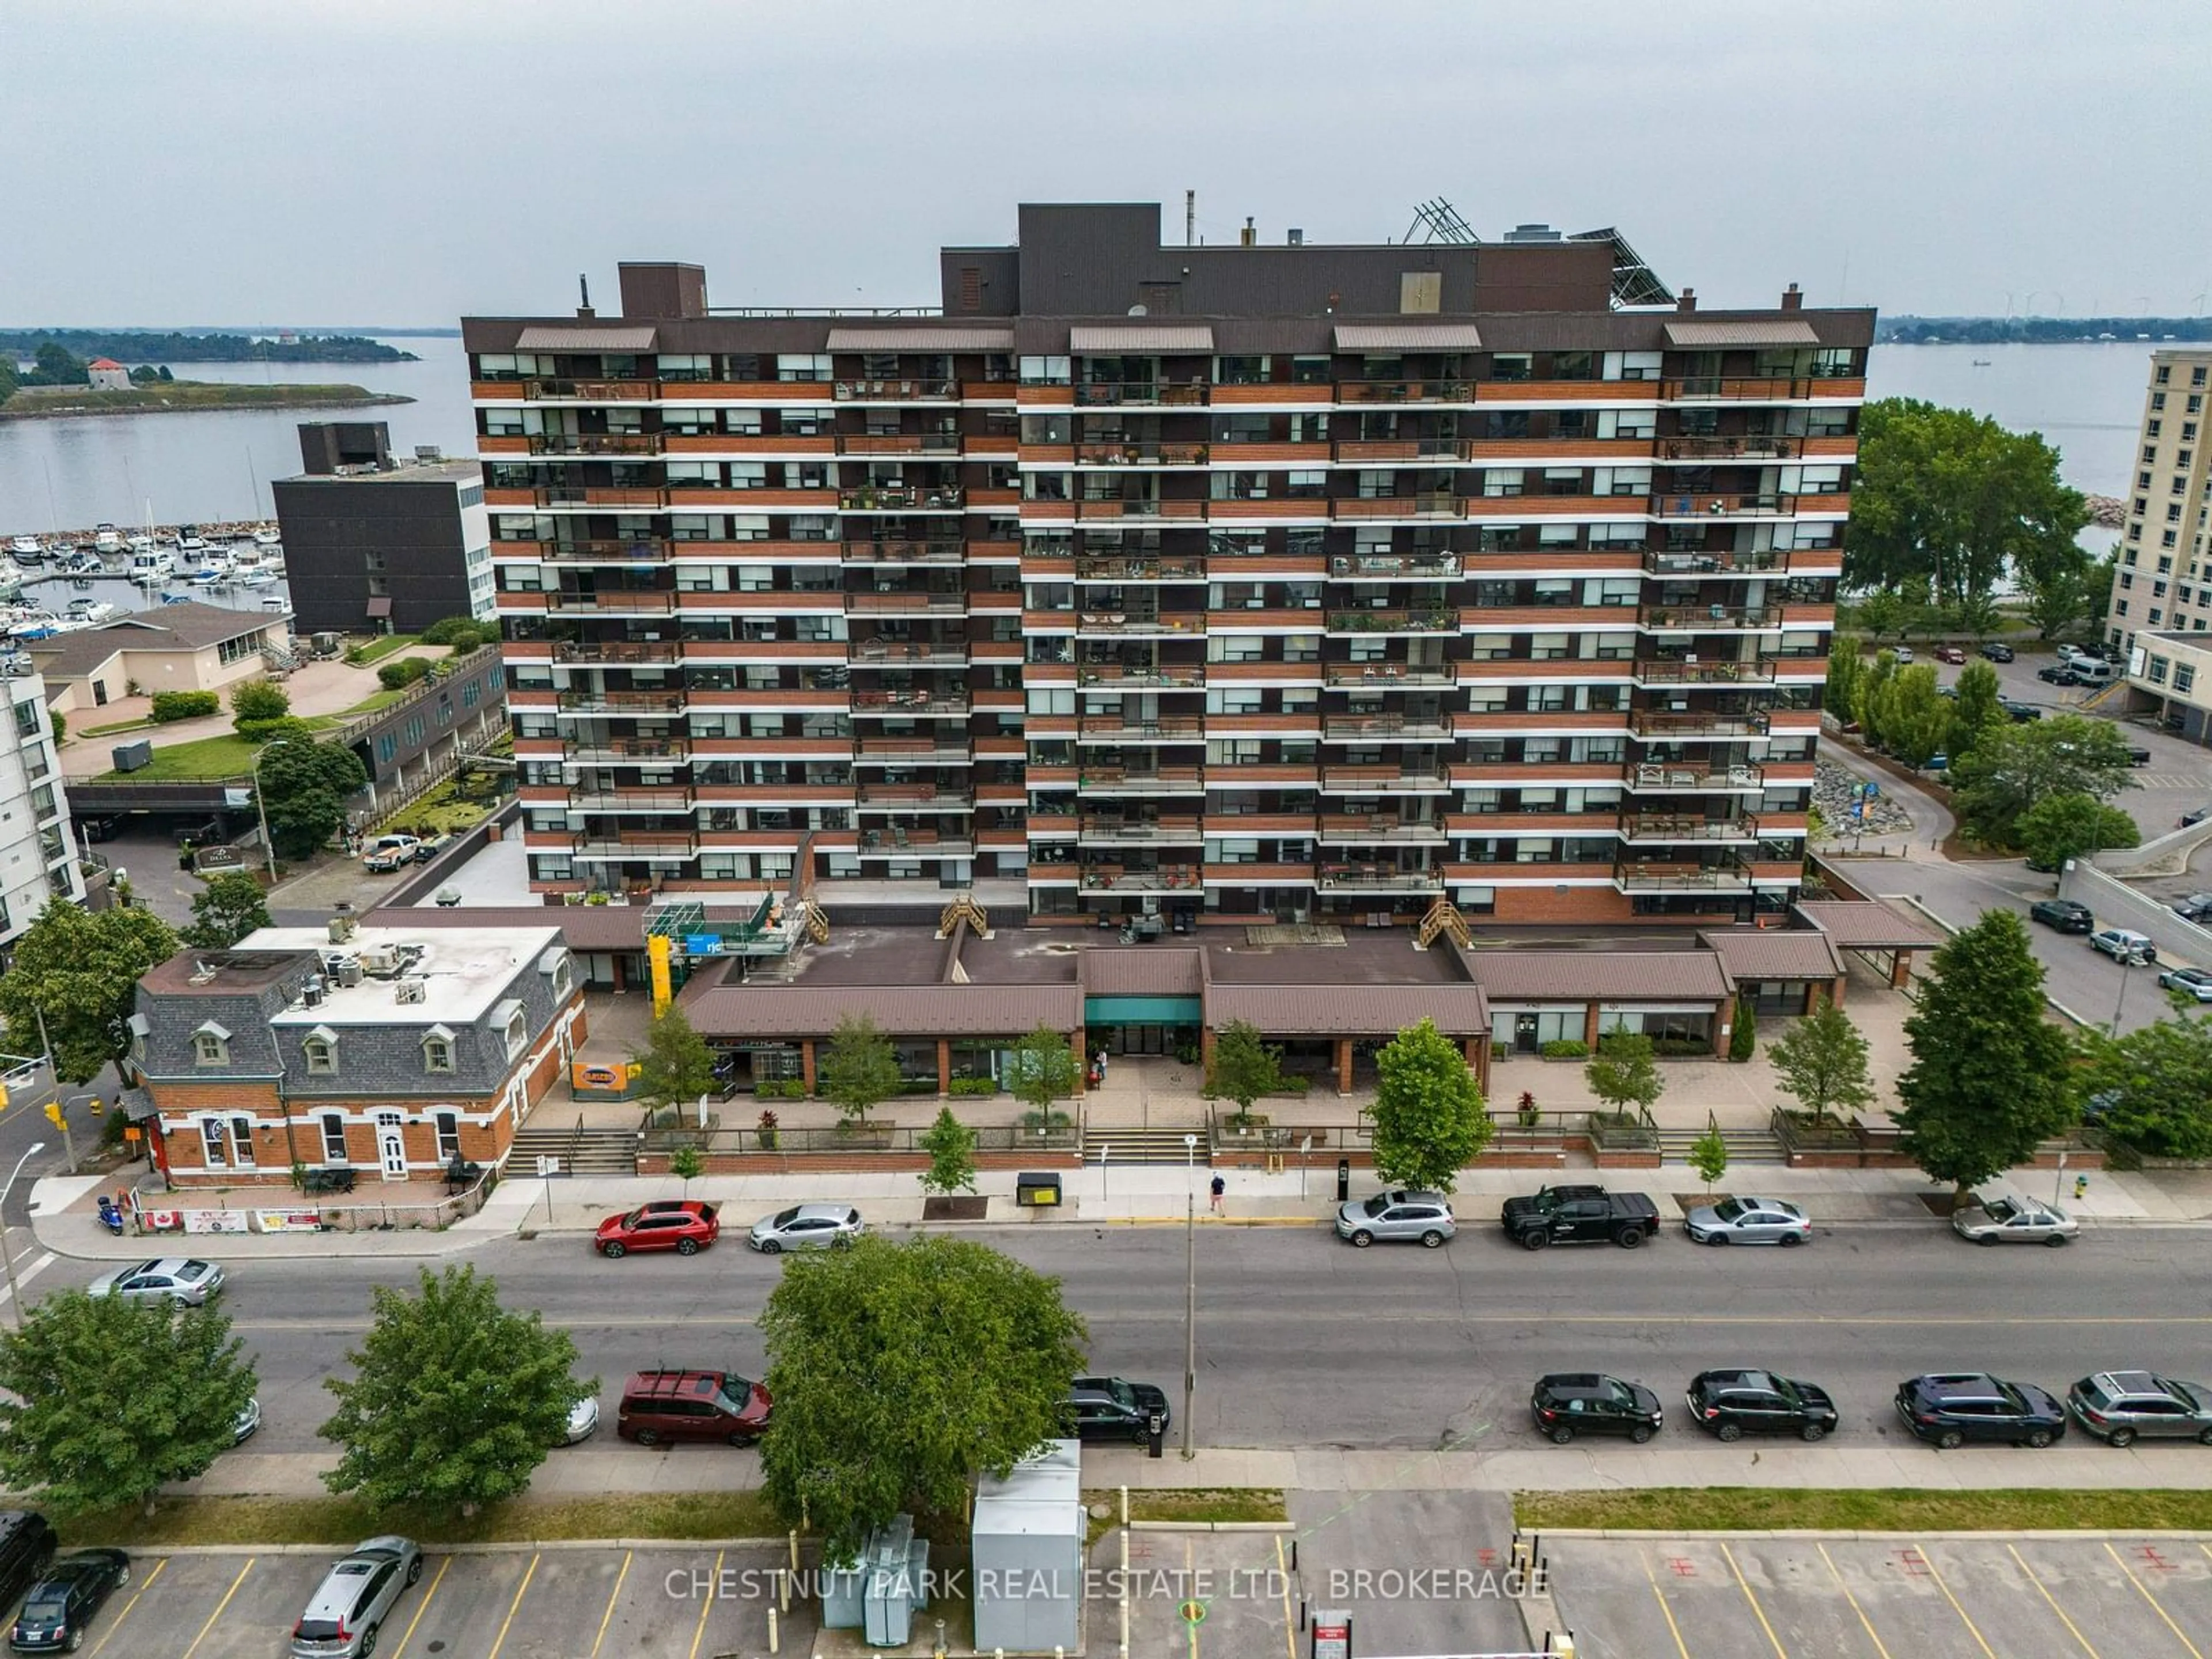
(1936, 1577)
(116, 1623)
(607, 1618)
(1283, 1573)
(1834, 1573)
(521, 1590)
(706, 1605)
(1665, 1611)
(220, 1606)
(2154, 1607)
(428, 1596)
(2051, 1601)
(1758, 1612)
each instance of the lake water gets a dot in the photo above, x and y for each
(212, 468)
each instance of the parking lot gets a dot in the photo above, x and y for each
(1797, 1598)
(674, 1600)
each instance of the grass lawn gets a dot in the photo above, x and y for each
(1185, 1503)
(205, 758)
(440, 810)
(378, 649)
(375, 701)
(244, 1522)
(1895, 1509)
(119, 726)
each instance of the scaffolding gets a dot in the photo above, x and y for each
(772, 928)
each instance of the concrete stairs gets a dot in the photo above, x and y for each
(1744, 1146)
(582, 1151)
(1131, 1144)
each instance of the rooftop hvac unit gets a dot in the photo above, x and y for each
(132, 756)
(312, 992)
(380, 961)
(411, 990)
(349, 972)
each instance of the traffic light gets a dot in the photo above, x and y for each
(54, 1114)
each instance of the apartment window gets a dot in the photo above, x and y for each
(210, 1045)
(1240, 371)
(2162, 375)
(1310, 371)
(2151, 429)
(518, 1032)
(803, 366)
(2158, 668)
(2158, 400)
(334, 1138)
(30, 718)
(214, 1143)
(449, 1136)
(1047, 371)
(437, 1053)
(1511, 366)
(2196, 375)
(2185, 677)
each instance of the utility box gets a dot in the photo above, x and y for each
(1027, 1545)
(1037, 1191)
(879, 1593)
(132, 756)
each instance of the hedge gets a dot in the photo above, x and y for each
(184, 705)
(1565, 1049)
(397, 676)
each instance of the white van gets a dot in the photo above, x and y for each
(2093, 670)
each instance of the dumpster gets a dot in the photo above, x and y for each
(1037, 1191)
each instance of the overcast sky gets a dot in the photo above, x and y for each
(406, 161)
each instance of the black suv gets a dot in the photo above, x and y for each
(1730, 1405)
(1993, 652)
(2116, 1407)
(1569, 1403)
(1949, 1408)
(26, 1544)
(1108, 1408)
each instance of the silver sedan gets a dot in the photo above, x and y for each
(806, 1227)
(190, 1283)
(1748, 1221)
(2008, 1219)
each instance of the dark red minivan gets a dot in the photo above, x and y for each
(658, 1406)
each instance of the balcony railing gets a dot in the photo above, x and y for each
(1405, 392)
(1678, 670)
(1655, 724)
(898, 443)
(1357, 827)
(950, 701)
(912, 798)
(1734, 388)
(659, 849)
(1112, 879)
(595, 443)
(895, 392)
(1141, 677)
(617, 651)
(903, 552)
(1107, 829)
(1393, 621)
(1100, 393)
(889, 750)
(1678, 826)
(596, 392)
(1436, 505)
(1437, 725)
(1125, 508)
(627, 749)
(1108, 728)
(1382, 780)
(1692, 777)
(631, 800)
(1140, 454)
(1143, 781)
(906, 603)
(1715, 564)
(1377, 879)
(1749, 446)
(1704, 619)
(1114, 568)
(1387, 566)
(630, 498)
(901, 498)
(1125, 622)
(865, 652)
(1369, 449)
(1722, 506)
(622, 703)
(638, 550)
(634, 602)
(1657, 875)
(1373, 674)
(928, 843)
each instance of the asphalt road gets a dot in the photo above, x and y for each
(1304, 1341)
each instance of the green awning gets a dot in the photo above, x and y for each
(1142, 1011)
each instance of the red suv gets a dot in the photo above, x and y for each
(684, 1225)
(659, 1405)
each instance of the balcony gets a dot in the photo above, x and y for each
(622, 703)
(630, 800)
(1734, 388)
(1749, 446)
(1093, 622)
(890, 752)
(901, 498)
(1377, 879)
(593, 391)
(1656, 726)
(1113, 879)
(1384, 780)
(626, 499)
(582, 747)
(895, 392)
(1683, 826)
(1141, 677)
(952, 702)
(1688, 670)
(1405, 392)
(1395, 566)
(1104, 830)
(618, 651)
(943, 444)
(1140, 454)
(1115, 569)
(1171, 728)
(1142, 781)
(652, 849)
(1723, 507)
(1663, 876)
(638, 550)
(1099, 394)
(595, 443)
(1366, 451)
(1693, 777)
(1394, 622)
(1707, 619)
(903, 552)
(912, 797)
(1399, 507)
(618, 602)
(1715, 564)
(1361, 828)
(907, 603)
(898, 842)
(1361, 727)
(1375, 674)
(1136, 509)
(869, 653)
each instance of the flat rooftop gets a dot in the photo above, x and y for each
(400, 472)
(464, 971)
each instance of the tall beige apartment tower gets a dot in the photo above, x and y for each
(2161, 598)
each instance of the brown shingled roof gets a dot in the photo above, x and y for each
(1509, 975)
(1349, 1010)
(1140, 972)
(1869, 925)
(1764, 953)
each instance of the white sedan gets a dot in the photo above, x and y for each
(2009, 1219)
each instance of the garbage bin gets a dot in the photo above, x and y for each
(1037, 1191)
(1343, 1180)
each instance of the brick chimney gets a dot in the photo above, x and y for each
(1792, 300)
(1688, 301)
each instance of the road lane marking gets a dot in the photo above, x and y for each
(428, 1596)
(706, 1607)
(513, 1607)
(1283, 1576)
(1550, 1317)
(1854, 1600)
(1665, 1611)
(27, 1274)
(220, 1606)
(2144, 1591)
(116, 1623)
(607, 1618)
(2042, 1590)
(1972, 1630)
(1758, 1612)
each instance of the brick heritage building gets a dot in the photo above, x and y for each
(1232, 584)
(385, 1050)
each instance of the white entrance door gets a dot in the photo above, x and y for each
(392, 1144)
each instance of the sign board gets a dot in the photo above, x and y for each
(162, 1221)
(547, 1166)
(1332, 1633)
(237, 800)
(287, 1221)
(1873, 789)
(214, 1221)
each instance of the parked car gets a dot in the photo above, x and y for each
(1579, 1215)
(2067, 915)
(1400, 1216)
(190, 1283)
(2196, 908)
(2019, 713)
(393, 842)
(1948, 1409)
(248, 1423)
(2125, 944)
(1569, 1403)
(26, 1544)
(67, 1597)
(2137, 755)
(669, 1405)
(2008, 1219)
(1992, 651)
(684, 1225)
(2194, 981)
(429, 848)
(1903, 655)
(2119, 1407)
(356, 1597)
(2189, 820)
(383, 862)
(1952, 654)
(1936, 763)
(1730, 1403)
(1747, 1221)
(806, 1227)
(583, 1421)
(1110, 1408)
(2056, 673)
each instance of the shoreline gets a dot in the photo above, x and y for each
(356, 397)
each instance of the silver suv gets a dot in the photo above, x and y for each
(1426, 1217)
(2116, 1407)
(355, 1596)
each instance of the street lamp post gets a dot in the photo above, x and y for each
(7, 1253)
(1189, 1289)
(2129, 960)
(260, 812)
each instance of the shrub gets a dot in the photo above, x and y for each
(1565, 1049)
(1035, 1121)
(396, 675)
(356, 656)
(60, 725)
(184, 706)
(258, 731)
(1680, 1047)
(462, 633)
(789, 1088)
(974, 1085)
(1743, 1037)
(258, 700)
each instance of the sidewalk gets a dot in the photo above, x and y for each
(1136, 1195)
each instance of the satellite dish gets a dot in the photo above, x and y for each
(1137, 311)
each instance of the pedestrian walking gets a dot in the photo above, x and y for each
(1101, 1066)
(1219, 1188)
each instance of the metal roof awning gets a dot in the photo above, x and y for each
(1408, 336)
(586, 339)
(380, 606)
(1706, 336)
(922, 339)
(1141, 341)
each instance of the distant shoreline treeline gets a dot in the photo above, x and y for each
(2039, 330)
(127, 346)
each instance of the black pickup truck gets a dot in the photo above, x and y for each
(1580, 1215)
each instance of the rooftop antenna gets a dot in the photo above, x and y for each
(1189, 216)
(1444, 223)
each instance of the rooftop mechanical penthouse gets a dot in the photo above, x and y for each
(1205, 584)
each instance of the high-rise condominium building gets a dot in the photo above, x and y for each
(1284, 582)
(2161, 598)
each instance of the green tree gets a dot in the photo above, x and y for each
(1709, 1154)
(1867, 690)
(951, 1145)
(145, 374)
(2069, 594)
(304, 785)
(687, 1166)
(2067, 826)
(82, 969)
(1846, 666)
(1988, 1081)
(255, 708)
(1883, 610)
(1244, 1068)
(9, 378)
(231, 906)
(2154, 1081)
(1909, 717)
(107, 1400)
(675, 1067)
(902, 1372)
(2014, 767)
(58, 366)
(1948, 499)
(1042, 1069)
(1975, 614)
(1743, 1031)
(1430, 1122)
(1975, 709)
(858, 1069)
(165, 376)
(1821, 1062)
(1624, 1074)
(454, 1401)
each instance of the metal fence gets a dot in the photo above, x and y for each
(1063, 1136)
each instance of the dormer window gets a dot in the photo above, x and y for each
(518, 1032)
(211, 1045)
(438, 1049)
(321, 1048)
